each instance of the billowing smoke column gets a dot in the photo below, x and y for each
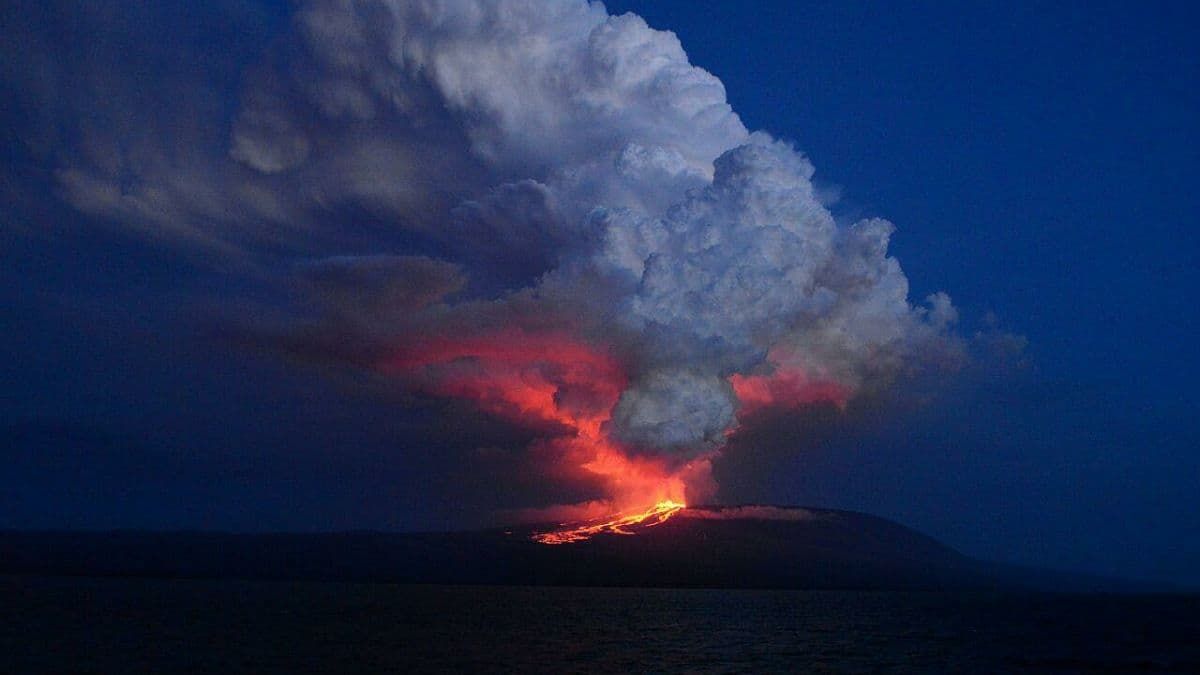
(587, 238)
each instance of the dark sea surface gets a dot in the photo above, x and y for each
(171, 626)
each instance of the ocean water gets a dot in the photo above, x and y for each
(51, 625)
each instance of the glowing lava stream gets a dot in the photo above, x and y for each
(655, 515)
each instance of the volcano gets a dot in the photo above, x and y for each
(713, 547)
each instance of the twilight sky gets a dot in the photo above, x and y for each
(395, 265)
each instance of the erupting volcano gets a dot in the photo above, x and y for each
(603, 254)
(551, 379)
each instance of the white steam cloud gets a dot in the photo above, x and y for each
(557, 168)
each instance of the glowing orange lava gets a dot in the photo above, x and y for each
(621, 524)
(555, 378)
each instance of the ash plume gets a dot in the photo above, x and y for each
(565, 222)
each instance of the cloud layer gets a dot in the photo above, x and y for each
(535, 206)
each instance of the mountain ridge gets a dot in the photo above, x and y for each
(743, 546)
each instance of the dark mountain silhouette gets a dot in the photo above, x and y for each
(740, 547)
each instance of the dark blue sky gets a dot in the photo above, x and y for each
(1038, 160)
(1035, 157)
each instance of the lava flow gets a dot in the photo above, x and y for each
(621, 524)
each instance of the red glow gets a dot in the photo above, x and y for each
(789, 386)
(552, 377)
(518, 376)
(555, 378)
